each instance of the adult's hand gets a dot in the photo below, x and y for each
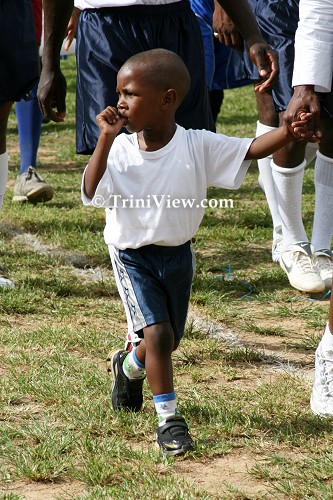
(51, 94)
(262, 55)
(303, 100)
(266, 60)
(51, 91)
(224, 28)
(72, 27)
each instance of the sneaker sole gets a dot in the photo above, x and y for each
(313, 289)
(36, 195)
(109, 364)
(112, 370)
(318, 410)
(173, 453)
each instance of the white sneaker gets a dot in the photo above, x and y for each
(6, 282)
(321, 401)
(325, 266)
(300, 265)
(277, 244)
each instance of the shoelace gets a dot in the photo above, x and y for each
(32, 173)
(305, 262)
(277, 243)
(324, 263)
(326, 374)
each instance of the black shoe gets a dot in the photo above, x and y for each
(173, 437)
(126, 394)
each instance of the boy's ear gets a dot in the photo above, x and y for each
(169, 96)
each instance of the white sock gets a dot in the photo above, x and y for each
(310, 152)
(165, 406)
(3, 175)
(266, 177)
(322, 229)
(132, 367)
(288, 188)
(327, 340)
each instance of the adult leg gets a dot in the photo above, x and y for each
(321, 401)
(4, 114)
(268, 120)
(29, 121)
(29, 185)
(322, 229)
(297, 258)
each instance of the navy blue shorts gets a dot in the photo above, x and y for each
(230, 70)
(154, 283)
(277, 20)
(107, 37)
(326, 102)
(19, 59)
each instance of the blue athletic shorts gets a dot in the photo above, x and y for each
(230, 70)
(277, 20)
(154, 283)
(19, 60)
(107, 37)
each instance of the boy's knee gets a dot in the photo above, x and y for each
(160, 336)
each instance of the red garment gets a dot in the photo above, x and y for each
(37, 7)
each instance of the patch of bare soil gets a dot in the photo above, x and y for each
(224, 474)
(44, 491)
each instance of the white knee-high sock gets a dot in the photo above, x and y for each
(266, 177)
(288, 188)
(310, 152)
(3, 175)
(322, 229)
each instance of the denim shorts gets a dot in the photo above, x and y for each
(154, 283)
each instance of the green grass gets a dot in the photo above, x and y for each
(234, 384)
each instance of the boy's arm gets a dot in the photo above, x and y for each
(270, 142)
(110, 123)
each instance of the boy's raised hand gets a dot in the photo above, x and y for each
(109, 121)
(304, 128)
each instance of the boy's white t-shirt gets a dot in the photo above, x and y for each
(97, 4)
(158, 197)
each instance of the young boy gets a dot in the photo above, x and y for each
(147, 181)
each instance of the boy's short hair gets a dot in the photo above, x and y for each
(164, 68)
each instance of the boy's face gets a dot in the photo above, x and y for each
(139, 101)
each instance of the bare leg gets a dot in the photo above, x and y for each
(4, 114)
(154, 352)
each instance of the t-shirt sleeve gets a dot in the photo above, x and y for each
(224, 160)
(103, 197)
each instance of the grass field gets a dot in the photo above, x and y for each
(243, 373)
